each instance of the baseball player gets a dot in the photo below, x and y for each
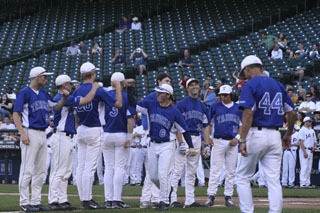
(115, 147)
(49, 132)
(31, 117)
(89, 132)
(226, 118)
(264, 102)
(289, 159)
(195, 114)
(62, 144)
(308, 143)
(162, 117)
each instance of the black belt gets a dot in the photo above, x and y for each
(49, 146)
(225, 138)
(133, 146)
(38, 129)
(66, 133)
(144, 146)
(263, 127)
(157, 141)
(194, 133)
(309, 148)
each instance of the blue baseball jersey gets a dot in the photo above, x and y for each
(64, 118)
(116, 119)
(226, 120)
(92, 114)
(195, 113)
(34, 107)
(268, 100)
(151, 97)
(162, 120)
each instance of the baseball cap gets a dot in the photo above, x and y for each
(308, 95)
(296, 127)
(117, 76)
(211, 87)
(249, 60)
(135, 19)
(75, 82)
(166, 88)
(38, 71)
(189, 81)
(225, 89)
(297, 52)
(61, 79)
(138, 50)
(87, 67)
(218, 82)
(307, 119)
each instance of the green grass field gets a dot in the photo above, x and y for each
(9, 198)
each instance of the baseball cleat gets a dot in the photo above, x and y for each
(41, 208)
(229, 202)
(91, 204)
(176, 205)
(28, 208)
(108, 204)
(163, 206)
(146, 204)
(67, 206)
(54, 206)
(194, 204)
(210, 201)
(119, 205)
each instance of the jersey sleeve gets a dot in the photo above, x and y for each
(20, 101)
(105, 97)
(131, 111)
(212, 112)
(247, 99)
(179, 122)
(288, 103)
(142, 106)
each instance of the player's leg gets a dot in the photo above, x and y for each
(55, 171)
(28, 160)
(139, 165)
(191, 169)
(100, 170)
(303, 169)
(200, 173)
(166, 157)
(93, 142)
(285, 167)
(247, 167)
(179, 164)
(231, 162)
(217, 160)
(153, 163)
(309, 167)
(81, 159)
(108, 151)
(292, 168)
(121, 159)
(40, 166)
(271, 163)
(133, 165)
(74, 159)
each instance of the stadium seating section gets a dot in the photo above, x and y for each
(218, 33)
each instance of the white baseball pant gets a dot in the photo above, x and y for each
(150, 192)
(288, 167)
(61, 167)
(100, 170)
(74, 159)
(137, 164)
(191, 164)
(160, 158)
(89, 150)
(115, 161)
(33, 166)
(200, 172)
(305, 167)
(222, 154)
(48, 160)
(264, 145)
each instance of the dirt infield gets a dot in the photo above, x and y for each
(288, 203)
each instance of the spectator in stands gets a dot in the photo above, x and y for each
(183, 82)
(210, 97)
(136, 24)
(6, 125)
(314, 52)
(83, 49)
(293, 96)
(96, 49)
(307, 107)
(297, 65)
(118, 58)
(11, 95)
(6, 106)
(217, 86)
(73, 49)
(209, 79)
(301, 50)
(276, 52)
(315, 93)
(301, 94)
(139, 58)
(186, 61)
(268, 41)
(124, 25)
(282, 42)
(204, 90)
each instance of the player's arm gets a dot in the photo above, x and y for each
(206, 135)
(117, 85)
(246, 124)
(130, 127)
(62, 101)
(88, 98)
(17, 121)
(303, 148)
